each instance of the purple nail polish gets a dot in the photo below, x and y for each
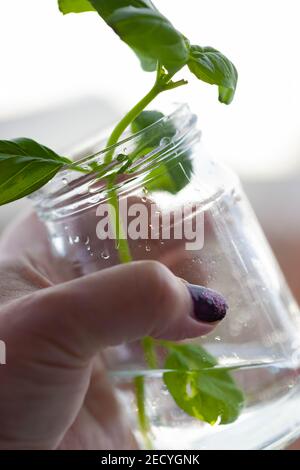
(209, 305)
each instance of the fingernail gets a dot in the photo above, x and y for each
(209, 305)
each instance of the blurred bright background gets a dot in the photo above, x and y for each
(64, 77)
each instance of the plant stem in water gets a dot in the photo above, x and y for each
(148, 345)
(143, 419)
(163, 82)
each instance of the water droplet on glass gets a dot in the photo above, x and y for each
(66, 227)
(189, 390)
(165, 141)
(148, 248)
(64, 181)
(91, 189)
(162, 242)
(105, 255)
(88, 248)
(70, 240)
(95, 198)
(145, 194)
(87, 241)
(236, 197)
(121, 157)
(217, 338)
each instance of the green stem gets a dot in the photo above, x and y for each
(129, 117)
(148, 345)
(121, 241)
(143, 420)
(123, 247)
(163, 82)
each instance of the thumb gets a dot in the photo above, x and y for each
(120, 304)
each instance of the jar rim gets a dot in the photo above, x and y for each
(179, 110)
(68, 183)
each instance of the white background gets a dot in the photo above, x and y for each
(47, 57)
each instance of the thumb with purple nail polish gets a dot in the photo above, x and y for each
(209, 305)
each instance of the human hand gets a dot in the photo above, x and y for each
(55, 392)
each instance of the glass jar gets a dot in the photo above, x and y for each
(196, 220)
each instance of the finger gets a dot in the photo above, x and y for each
(121, 304)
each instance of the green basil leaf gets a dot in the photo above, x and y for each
(211, 66)
(25, 166)
(174, 173)
(203, 392)
(169, 177)
(74, 6)
(162, 128)
(106, 8)
(147, 63)
(149, 34)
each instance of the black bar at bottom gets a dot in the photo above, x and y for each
(135, 459)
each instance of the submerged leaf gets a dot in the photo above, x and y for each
(172, 174)
(204, 392)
